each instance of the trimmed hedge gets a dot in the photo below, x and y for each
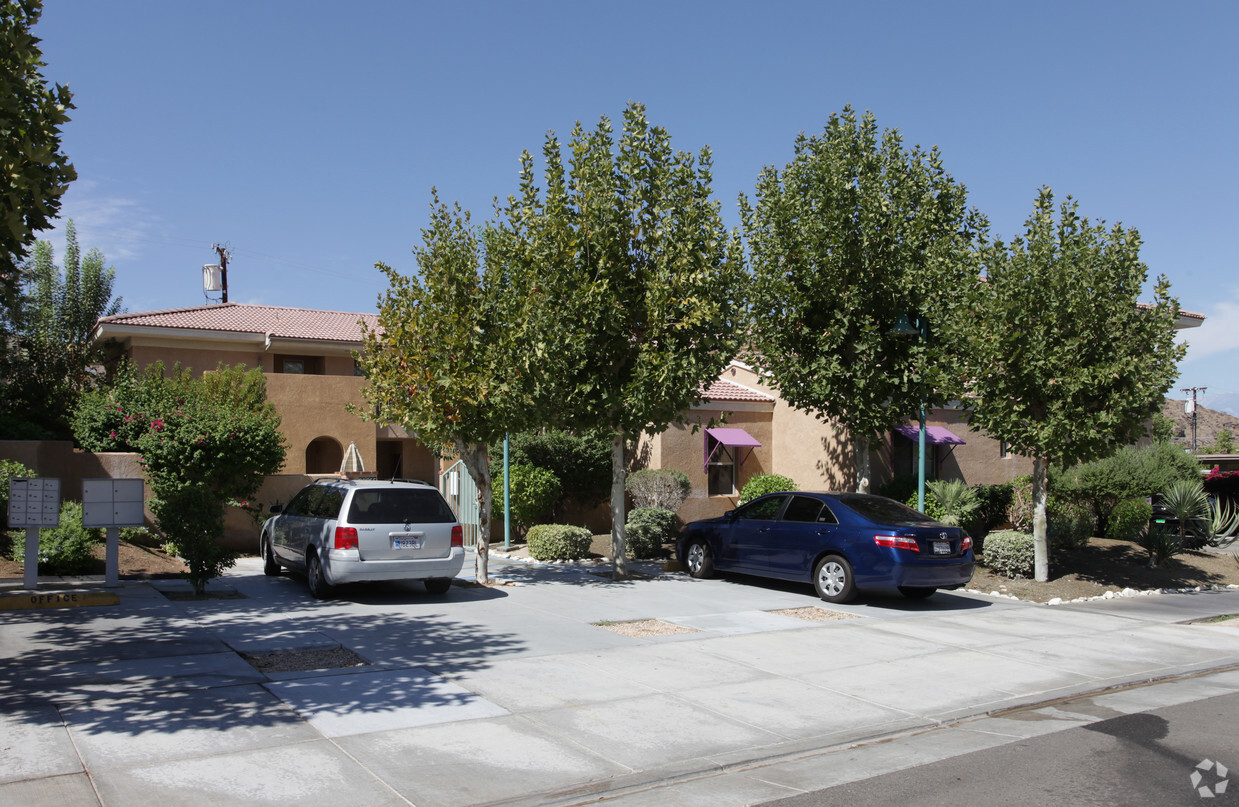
(1069, 525)
(1009, 553)
(648, 528)
(558, 542)
(761, 484)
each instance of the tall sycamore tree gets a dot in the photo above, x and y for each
(638, 299)
(440, 362)
(856, 233)
(1066, 365)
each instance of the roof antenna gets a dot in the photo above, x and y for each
(395, 474)
(215, 275)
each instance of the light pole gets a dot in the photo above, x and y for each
(904, 327)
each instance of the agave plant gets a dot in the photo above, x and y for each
(1160, 543)
(1223, 523)
(1186, 501)
(956, 499)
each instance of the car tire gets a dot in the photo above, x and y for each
(833, 579)
(917, 592)
(438, 585)
(270, 566)
(698, 559)
(320, 589)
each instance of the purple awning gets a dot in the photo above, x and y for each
(732, 438)
(934, 435)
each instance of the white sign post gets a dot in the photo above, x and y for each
(112, 503)
(33, 504)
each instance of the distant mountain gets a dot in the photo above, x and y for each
(1227, 402)
(1208, 423)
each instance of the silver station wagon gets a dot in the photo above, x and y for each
(351, 530)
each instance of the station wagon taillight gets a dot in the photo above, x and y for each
(897, 542)
(346, 538)
(458, 536)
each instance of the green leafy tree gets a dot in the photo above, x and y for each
(440, 361)
(854, 234)
(35, 173)
(639, 293)
(205, 444)
(1223, 443)
(1042, 379)
(1132, 472)
(49, 364)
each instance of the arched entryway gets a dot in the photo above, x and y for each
(323, 456)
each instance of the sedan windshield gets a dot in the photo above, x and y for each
(884, 511)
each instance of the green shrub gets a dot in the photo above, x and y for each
(1128, 519)
(1129, 473)
(664, 488)
(648, 528)
(68, 548)
(558, 542)
(1009, 553)
(1020, 511)
(932, 508)
(993, 501)
(581, 462)
(761, 484)
(534, 492)
(1069, 525)
(1160, 543)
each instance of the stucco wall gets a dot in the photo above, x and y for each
(196, 359)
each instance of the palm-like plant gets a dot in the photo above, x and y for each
(957, 500)
(1186, 501)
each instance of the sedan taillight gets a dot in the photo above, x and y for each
(458, 536)
(897, 542)
(346, 538)
(965, 544)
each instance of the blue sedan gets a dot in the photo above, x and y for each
(841, 542)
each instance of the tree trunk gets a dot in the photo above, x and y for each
(861, 447)
(619, 536)
(477, 461)
(1041, 543)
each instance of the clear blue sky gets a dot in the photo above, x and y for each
(307, 135)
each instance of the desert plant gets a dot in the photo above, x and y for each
(558, 542)
(534, 492)
(1186, 501)
(1128, 518)
(761, 484)
(1069, 525)
(1160, 543)
(1009, 553)
(648, 529)
(664, 488)
(1222, 524)
(958, 501)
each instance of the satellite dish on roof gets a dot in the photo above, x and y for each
(212, 279)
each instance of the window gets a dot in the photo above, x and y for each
(761, 510)
(1002, 448)
(721, 473)
(803, 508)
(299, 365)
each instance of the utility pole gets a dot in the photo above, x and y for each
(1190, 408)
(224, 253)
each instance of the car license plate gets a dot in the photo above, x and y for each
(942, 547)
(406, 542)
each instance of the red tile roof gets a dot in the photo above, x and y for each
(283, 323)
(723, 390)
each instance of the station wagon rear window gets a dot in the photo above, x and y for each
(399, 506)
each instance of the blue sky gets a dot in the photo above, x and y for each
(307, 135)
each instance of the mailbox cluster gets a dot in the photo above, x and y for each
(34, 503)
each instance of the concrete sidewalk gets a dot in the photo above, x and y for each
(513, 694)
